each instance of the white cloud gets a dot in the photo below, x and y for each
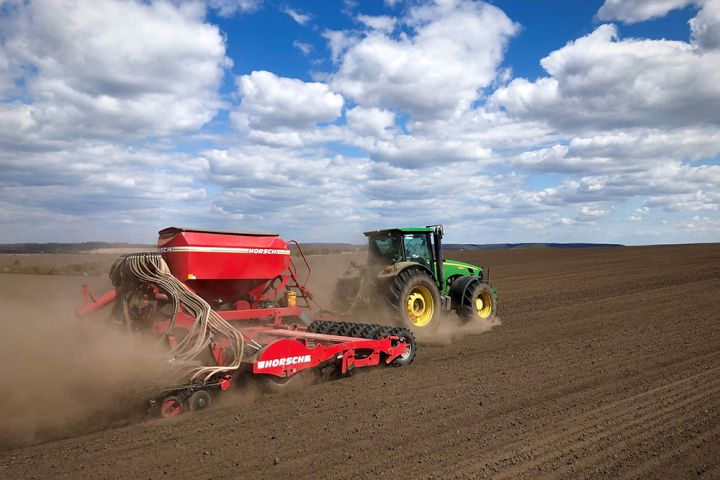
(453, 51)
(272, 103)
(382, 23)
(111, 69)
(412, 151)
(620, 129)
(228, 8)
(289, 189)
(305, 48)
(299, 17)
(599, 81)
(590, 214)
(58, 195)
(706, 25)
(632, 11)
(623, 151)
(339, 42)
(698, 200)
(370, 121)
(663, 179)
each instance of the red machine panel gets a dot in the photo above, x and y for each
(210, 255)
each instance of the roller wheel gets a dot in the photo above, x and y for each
(200, 400)
(479, 303)
(345, 329)
(356, 330)
(171, 406)
(404, 335)
(335, 328)
(382, 332)
(416, 299)
(324, 327)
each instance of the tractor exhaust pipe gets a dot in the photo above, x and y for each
(437, 244)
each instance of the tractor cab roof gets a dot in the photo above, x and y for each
(399, 230)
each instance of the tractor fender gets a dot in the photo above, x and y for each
(460, 286)
(394, 271)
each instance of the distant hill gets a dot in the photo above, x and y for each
(68, 247)
(508, 246)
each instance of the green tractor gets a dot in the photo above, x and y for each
(407, 273)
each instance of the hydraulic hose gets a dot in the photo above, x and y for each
(131, 271)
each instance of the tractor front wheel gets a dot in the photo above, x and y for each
(416, 299)
(480, 303)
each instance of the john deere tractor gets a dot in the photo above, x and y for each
(407, 274)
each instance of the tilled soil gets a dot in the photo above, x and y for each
(606, 365)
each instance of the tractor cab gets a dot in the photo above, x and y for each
(387, 247)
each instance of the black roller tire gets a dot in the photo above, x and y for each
(200, 400)
(404, 335)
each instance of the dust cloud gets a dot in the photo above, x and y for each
(62, 376)
(453, 328)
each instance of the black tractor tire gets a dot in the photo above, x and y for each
(479, 303)
(414, 299)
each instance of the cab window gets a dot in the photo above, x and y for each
(385, 249)
(417, 248)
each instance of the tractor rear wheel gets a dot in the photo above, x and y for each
(416, 299)
(480, 303)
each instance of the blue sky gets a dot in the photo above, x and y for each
(507, 121)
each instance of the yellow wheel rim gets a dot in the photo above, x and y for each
(483, 305)
(420, 306)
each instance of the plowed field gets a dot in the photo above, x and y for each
(606, 365)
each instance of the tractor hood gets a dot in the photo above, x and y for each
(454, 267)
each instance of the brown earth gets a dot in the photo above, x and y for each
(606, 365)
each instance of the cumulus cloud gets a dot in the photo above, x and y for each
(622, 151)
(404, 128)
(273, 103)
(705, 27)
(632, 11)
(102, 183)
(338, 42)
(110, 69)
(600, 81)
(370, 121)
(289, 189)
(452, 51)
